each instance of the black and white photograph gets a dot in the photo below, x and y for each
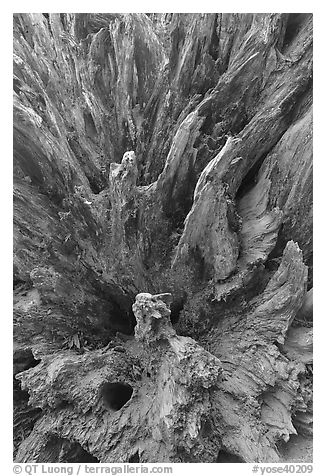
(162, 240)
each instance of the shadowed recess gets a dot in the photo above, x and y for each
(115, 395)
(225, 457)
(134, 458)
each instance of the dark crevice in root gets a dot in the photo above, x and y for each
(62, 19)
(122, 321)
(276, 254)
(250, 179)
(47, 17)
(61, 450)
(21, 285)
(77, 454)
(206, 429)
(176, 308)
(177, 210)
(90, 128)
(24, 416)
(294, 22)
(225, 457)
(134, 458)
(24, 360)
(214, 44)
(116, 394)
(121, 316)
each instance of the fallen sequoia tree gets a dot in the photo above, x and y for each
(162, 236)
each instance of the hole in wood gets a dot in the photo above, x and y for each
(115, 395)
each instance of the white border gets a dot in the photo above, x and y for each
(319, 195)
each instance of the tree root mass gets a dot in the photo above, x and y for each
(162, 236)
